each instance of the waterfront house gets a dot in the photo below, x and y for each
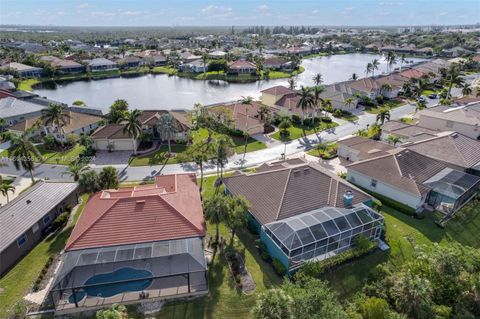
(102, 64)
(217, 54)
(277, 64)
(76, 123)
(25, 220)
(23, 70)
(112, 137)
(63, 66)
(395, 82)
(366, 87)
(130, 62)
(272, 95)
(242, 67)
(245, 117)
(196, 66)
(303, 212)
(338, 94)
(415, 180)
(134, 244)
(14, 110)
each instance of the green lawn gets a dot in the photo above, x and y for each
(252, 144)
(390, 104)
(159, 157)
(298, 131)
(350, 118)
(330, 152)
(20, 278)
(428, 92)
(52, 157)
(224, 300)
(26, 85)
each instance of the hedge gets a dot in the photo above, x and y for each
(391, 203)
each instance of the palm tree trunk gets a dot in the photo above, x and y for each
(8, 199)
(169, 148)
(134, 143)
(31, 176)
(217, 233)
(233, 235)
(201, 176)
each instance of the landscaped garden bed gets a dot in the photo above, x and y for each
(242, 278)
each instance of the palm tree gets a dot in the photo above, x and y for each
(108, 178)
(368, 69)
(216, 210)
(385, 88)
(168, 127)
(453, 77)
(349, 101)
(391, 60)
(326, 104)
(204, 61)
(375, 65)
(239, 206)
(292, 83)
(383, 115)
(420, 105)
(75, 169)
(466, 89)
(133, 126)
(284, 124)
(394, 139)
(306, 101)
(23, 152)
(354, 77)
(402, 60)
(55, 115)
(247, 101)
(317, 79)
(321, 148)
(419, 86)
(223, 150)
(317, 91)
(5, 188)
(263, 112)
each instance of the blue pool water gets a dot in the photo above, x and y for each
(112, 289)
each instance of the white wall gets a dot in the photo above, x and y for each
(441, 124)
(347, 152)
(392, 192)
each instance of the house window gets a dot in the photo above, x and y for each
(21, 240)
(35, 227)
(373, 183)
(449, 124)
(46, 220)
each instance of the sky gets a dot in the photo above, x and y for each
(234, 12)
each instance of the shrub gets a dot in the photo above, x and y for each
(71, 139)
(379, 99)
(236, 133)
(326, 119)
(60, 221)
(296, 119)
(279, 267)
(49, 142)
(337, 113)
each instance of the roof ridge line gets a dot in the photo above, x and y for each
(283, 194)
(93, 223)
(329, 190)
(176, 210)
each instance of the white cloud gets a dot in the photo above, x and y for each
(131, 13)
(83, 5)
(262, 8)
(102, 14)
(217, 11)
(391, 3)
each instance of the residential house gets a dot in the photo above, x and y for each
(338, 94)
(14, 110)
(102, 64)
(25, 220)
(150, 119)
(76, 123)
(196, 66)
(463, 119)
(395, 81)
(113, 137)
(366, 87)
(130, 62)
(242, 67)
(408, 133)
(283, 100)
(134, 244)
(357, 148)
(302, 212)
(413, 74)
(271, 95)
(157, 60)
(245, 117)
(6, 83)
(23, 70)
(277, 63)
(63, 66)
(217, 54)
(456, 52)
(188, 57)
(415, 180)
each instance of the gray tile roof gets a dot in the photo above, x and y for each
(286, 192)
(10, 107)
(28, 208)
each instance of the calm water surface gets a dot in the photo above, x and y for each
(171, 92)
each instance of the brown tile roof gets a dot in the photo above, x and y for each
(452, 147)
(110, 131)
(242, 64)
(408, 132)
(151, 117)
(368, 148)
(285, 192)
(404, 169)
(365, 85)
(169, 209)
(412, 73)
(278, 90)
(275, 61)
(75, 121)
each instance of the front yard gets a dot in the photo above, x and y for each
(19, 279)
(239, 142)
(53, 157)
(298, 131)
(159, 157)
(390, 104)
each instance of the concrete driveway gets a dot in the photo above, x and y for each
(111, 158)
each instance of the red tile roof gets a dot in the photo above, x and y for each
(412, 73)
(242, 64)
(169, 209)
(277, 90)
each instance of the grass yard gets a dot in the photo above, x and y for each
(20, 278)
(27, 84)
(52, 157)
(350, 118)
(239, 142)
(328, 153)
(298, 131)
(224, 300)
(164, 69)
(159, 157)
(390, 104)
(403, 232)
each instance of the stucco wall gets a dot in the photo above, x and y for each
(347, 152)
(268, 99)
(384, 189)
(441, 124)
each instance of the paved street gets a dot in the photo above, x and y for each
(48, 171)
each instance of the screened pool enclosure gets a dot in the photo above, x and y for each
(122, 274)
(320, 233)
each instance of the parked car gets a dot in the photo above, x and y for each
(421, 98)
(432, 96)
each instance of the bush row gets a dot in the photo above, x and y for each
(43, 272)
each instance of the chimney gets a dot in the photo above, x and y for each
(348, 199)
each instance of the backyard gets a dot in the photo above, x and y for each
(297, 131)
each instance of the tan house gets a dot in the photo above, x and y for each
(357, 148)
(112, 137)
(246, 118)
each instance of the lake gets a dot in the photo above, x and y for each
(172, 92)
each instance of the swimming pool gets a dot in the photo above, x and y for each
(113, 289)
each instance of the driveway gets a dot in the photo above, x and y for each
(111, 158)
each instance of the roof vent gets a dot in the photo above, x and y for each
(28, 201)
(140, 202)
(348, 199)
(296, 172)
(306, 170)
